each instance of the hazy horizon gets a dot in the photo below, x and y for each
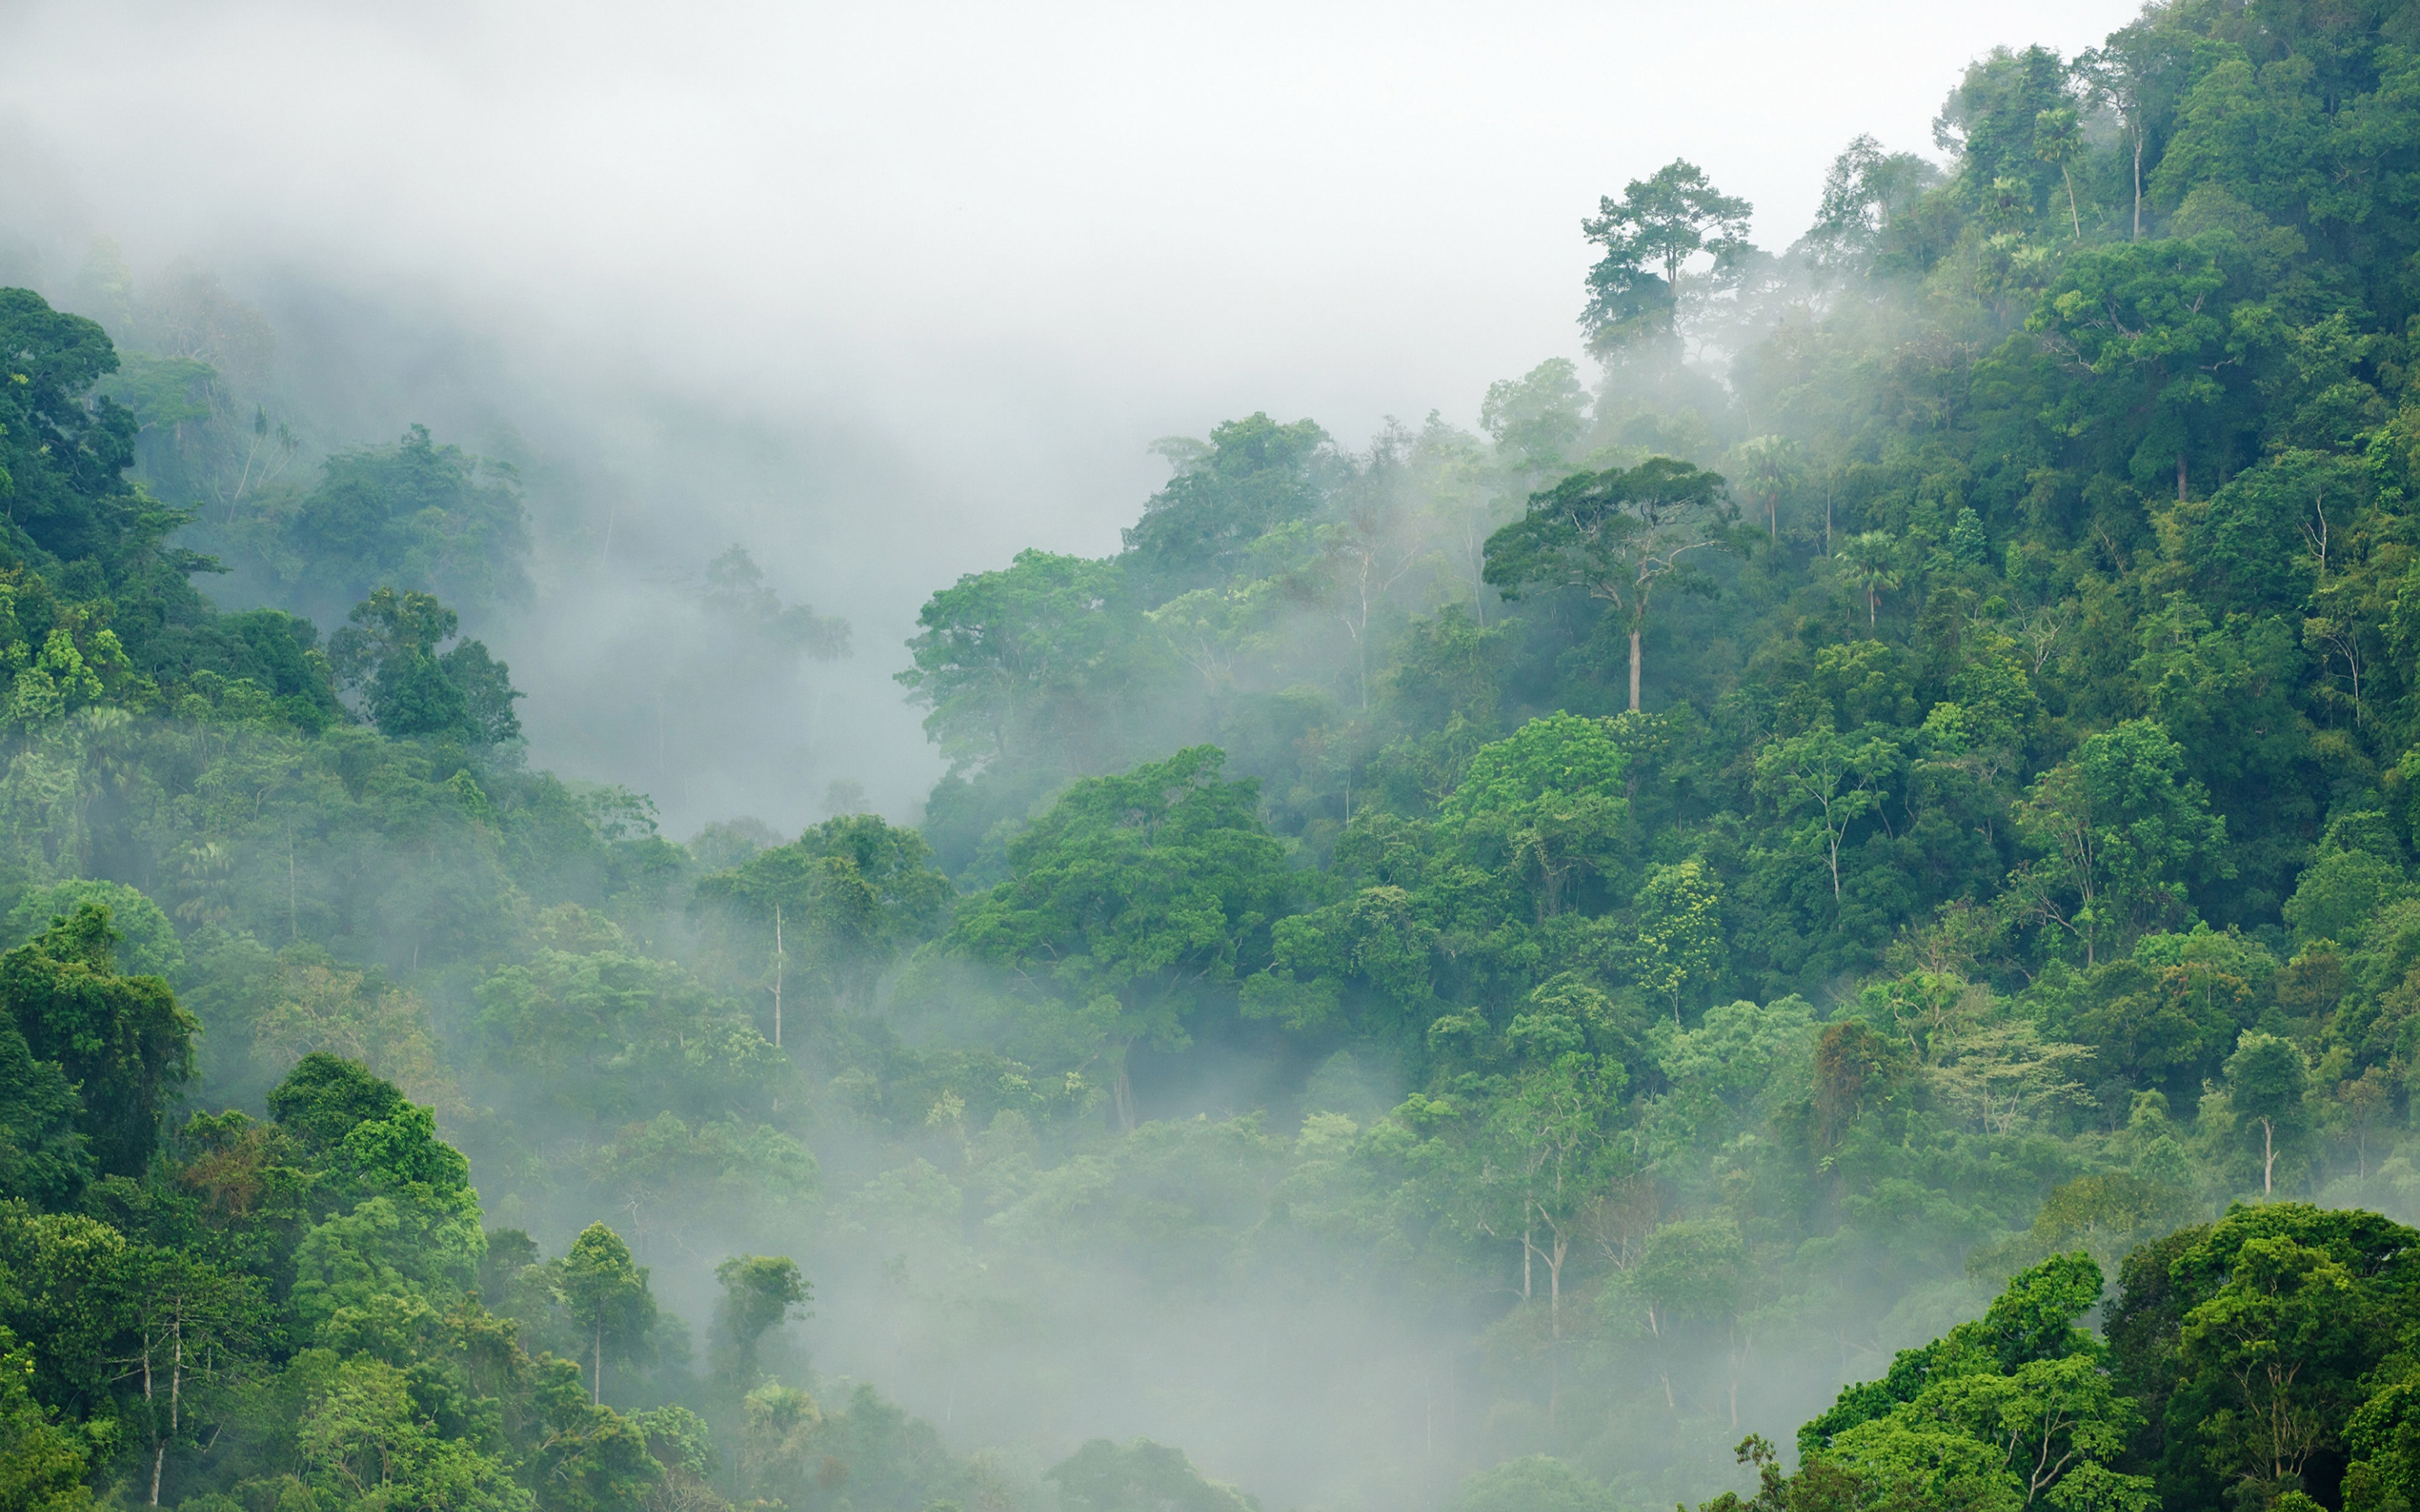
(943, 273)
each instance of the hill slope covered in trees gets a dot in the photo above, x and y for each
(1492, 967)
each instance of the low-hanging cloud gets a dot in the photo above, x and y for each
(887, 293)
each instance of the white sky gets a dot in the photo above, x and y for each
(1182, 209)
(1005, 245)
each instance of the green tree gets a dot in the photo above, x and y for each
(430, 519)
(2018, 1408)
(760, 1292)
(2058, 138)
(61, 457)
(194, 1327)
(849, 895)
(1141, 1476)
(1616, 536)
(2252, 1340)
(2145, 317)
(2273, 1342)
(2136, 72)
(1680, 940)
(1253, 476)
(1546, 802)
(121, 1040)
(388, 650)
(1768, 467)
(42, 1462)
(1869, 563)
(1648, 236)
(1131, 897)
(1834, 780)
(606, 1293)
(2122, 829)
(2266, 1080)
(1015, 662)
(1994, 119)
(1867, 191)
(362, 1438)
(45, 1157)
(1547, 1146)
(1536, 418)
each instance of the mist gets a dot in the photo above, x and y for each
(853, 303)
(887, 296)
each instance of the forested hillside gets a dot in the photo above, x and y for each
(1825, 905)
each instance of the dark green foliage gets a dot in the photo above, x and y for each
(1255, 476)
(1995, 855)
(1005, 659)
(63, 458)
(1648, 235)
(1132, 898)
(122, 1042)
(2258, 1341)
(325, 1098)
(409, 690)
(416, 515)
(44, 1156)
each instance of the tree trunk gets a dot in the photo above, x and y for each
(1634, 669)
(2267, 1157)
(777, 976)
(2181, 477)
(2139, 182)
(1555, 1291)
(158, 1440)
(1554, 1329)
(1123, 1093)
(176, 1398)
(597, 1366)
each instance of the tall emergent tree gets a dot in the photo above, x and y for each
(606, 1292)
(1649, 236)
(760, 1292)
(1617, 535)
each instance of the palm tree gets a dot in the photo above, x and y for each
(1769, 465)
(1871, 561)
(2057, 139)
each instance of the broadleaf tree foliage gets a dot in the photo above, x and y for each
(1840, 874)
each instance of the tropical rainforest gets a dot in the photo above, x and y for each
(1821, 914)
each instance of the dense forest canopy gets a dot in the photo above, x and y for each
(1825, 906)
